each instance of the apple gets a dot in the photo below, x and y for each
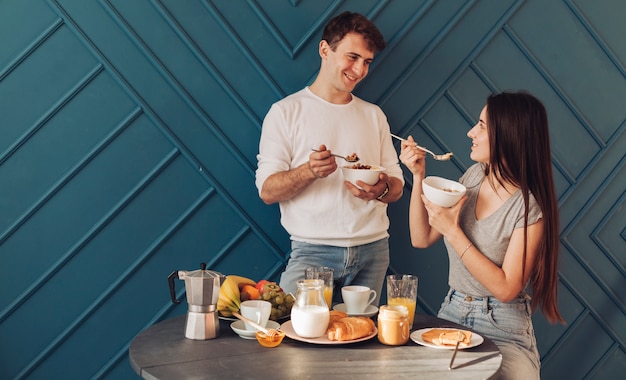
(259, 285)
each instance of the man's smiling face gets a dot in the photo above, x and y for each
(348, 64)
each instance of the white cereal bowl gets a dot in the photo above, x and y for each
(442, 192)
(369, 176)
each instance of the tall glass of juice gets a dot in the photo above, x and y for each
(326, 274)
(402, 290)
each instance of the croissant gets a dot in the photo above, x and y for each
(350, 328)
(336, 315)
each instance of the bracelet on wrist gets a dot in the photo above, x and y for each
(465, 250)
(384, 193)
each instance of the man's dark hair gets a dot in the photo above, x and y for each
(349, 22)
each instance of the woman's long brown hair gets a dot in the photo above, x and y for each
(520, 154)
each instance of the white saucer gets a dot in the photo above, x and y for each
(240, 328)
(370, 310)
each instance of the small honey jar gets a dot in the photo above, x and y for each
(393, 325)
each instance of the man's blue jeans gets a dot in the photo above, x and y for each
(361, 265)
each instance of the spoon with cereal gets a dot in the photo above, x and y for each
(349, 158)
(438, 157)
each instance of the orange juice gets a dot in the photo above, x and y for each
(408, 302)
(326, 275)
(328, 296)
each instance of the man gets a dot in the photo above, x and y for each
(332, 222)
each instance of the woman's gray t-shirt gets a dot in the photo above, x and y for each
(490, 235)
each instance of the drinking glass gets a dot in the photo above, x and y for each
(322, 273)
(402, 290)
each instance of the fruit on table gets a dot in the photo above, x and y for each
(281, 302)
(236, 289)
(270, 287)
(259, 285)
(230, 295)
(249, 292)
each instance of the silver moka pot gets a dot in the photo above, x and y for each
(203, 290)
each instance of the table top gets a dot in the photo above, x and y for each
(162, 352)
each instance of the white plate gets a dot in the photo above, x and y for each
(416, 336)
(236, 319)
(289, 331)
(370, 310)
(240, 328)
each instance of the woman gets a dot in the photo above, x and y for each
(503, 234)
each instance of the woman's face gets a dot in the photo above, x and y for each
(480, 139)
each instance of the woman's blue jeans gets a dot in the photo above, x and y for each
(508, 325)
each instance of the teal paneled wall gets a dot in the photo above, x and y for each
(129, 141)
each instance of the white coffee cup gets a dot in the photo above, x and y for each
(257, 311)
(357, 298)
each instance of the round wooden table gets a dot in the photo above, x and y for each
(163, 352)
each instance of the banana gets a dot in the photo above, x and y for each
(228, 300)
(230, 289)
(241, 281)
(230, 297)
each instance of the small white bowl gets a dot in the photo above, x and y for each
(442, 192)
(240, 328)
(369, 176)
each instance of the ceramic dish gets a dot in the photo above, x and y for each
(416, 336)
(240, 328)
(288, 329)
(227, 318)
(441, 191)
(370, 310)
(369, 176)
(235, 319)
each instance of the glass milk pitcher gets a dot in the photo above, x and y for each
(309, 314)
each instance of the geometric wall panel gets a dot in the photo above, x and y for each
(129, 138)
